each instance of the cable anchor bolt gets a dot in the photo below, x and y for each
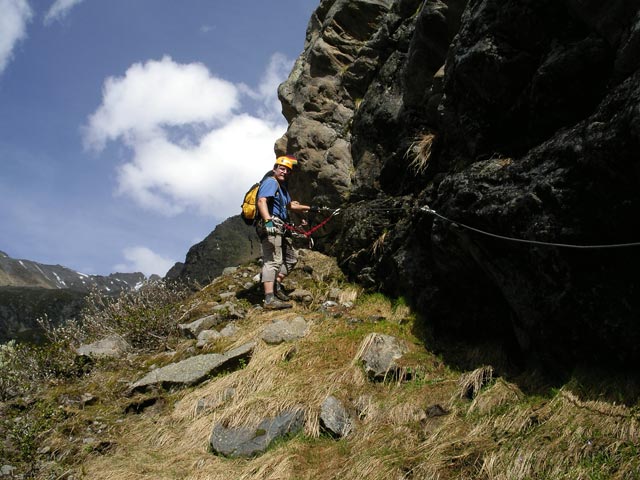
(427, 209)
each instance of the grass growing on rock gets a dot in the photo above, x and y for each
(434, 423)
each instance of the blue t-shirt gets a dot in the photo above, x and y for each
(277, 197)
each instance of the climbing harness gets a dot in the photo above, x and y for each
(299, 232)
(428, 209)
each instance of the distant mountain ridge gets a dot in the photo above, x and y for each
(30, 290)
(27, 273)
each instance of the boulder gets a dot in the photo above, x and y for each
(113, 346)
(207, 336)
(229, 330)
(194, 328)
(229, 310)
(379, 354)
(193, 370)
(334, 418)
(283, 331)
(300, 295)
(253, 441)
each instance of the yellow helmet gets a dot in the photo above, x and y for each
(287, 160)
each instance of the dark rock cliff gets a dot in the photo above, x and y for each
(231, 243)
(516, 118)
(516, 123)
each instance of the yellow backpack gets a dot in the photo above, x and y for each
(249, 212)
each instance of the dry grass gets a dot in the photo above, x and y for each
(497, 435)
(471, 383)
(488, 429)
(273, 381)
(420, 152)
(500, 394)
(377, 248)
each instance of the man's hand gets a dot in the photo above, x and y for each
(317, 209)
(270, 228)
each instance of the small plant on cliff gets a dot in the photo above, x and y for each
(378, 246)
(420, 150)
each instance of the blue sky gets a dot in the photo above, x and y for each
(130, 128)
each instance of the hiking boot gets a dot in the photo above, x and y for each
(278, 291)
(276, 304)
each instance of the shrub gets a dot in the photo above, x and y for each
(23, 366)
(145, 317)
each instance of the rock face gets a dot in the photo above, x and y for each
(231, 243)
(516, 118)
(515, 122)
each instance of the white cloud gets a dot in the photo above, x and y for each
(145, 260)
(159, 94)
(15, 14)
(267, 92)
(191, 146)
(210, 176)
(59, 10)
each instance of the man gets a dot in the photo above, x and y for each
(278, 255)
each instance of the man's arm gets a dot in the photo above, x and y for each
(263, 208)
(297, 207)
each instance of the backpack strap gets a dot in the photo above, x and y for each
(282, 198)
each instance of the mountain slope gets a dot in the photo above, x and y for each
(424, 419)
(26, 273)
(30, 290)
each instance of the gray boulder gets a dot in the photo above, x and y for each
(229, 270)
(334, 418)
(300, 295)
(193, 370)
(283, 331)
(207, 336)
(113, 346)
(250, 442)
(229, 331)
(7, 470)
(379, 354)
(194, 328)
(229, 310)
